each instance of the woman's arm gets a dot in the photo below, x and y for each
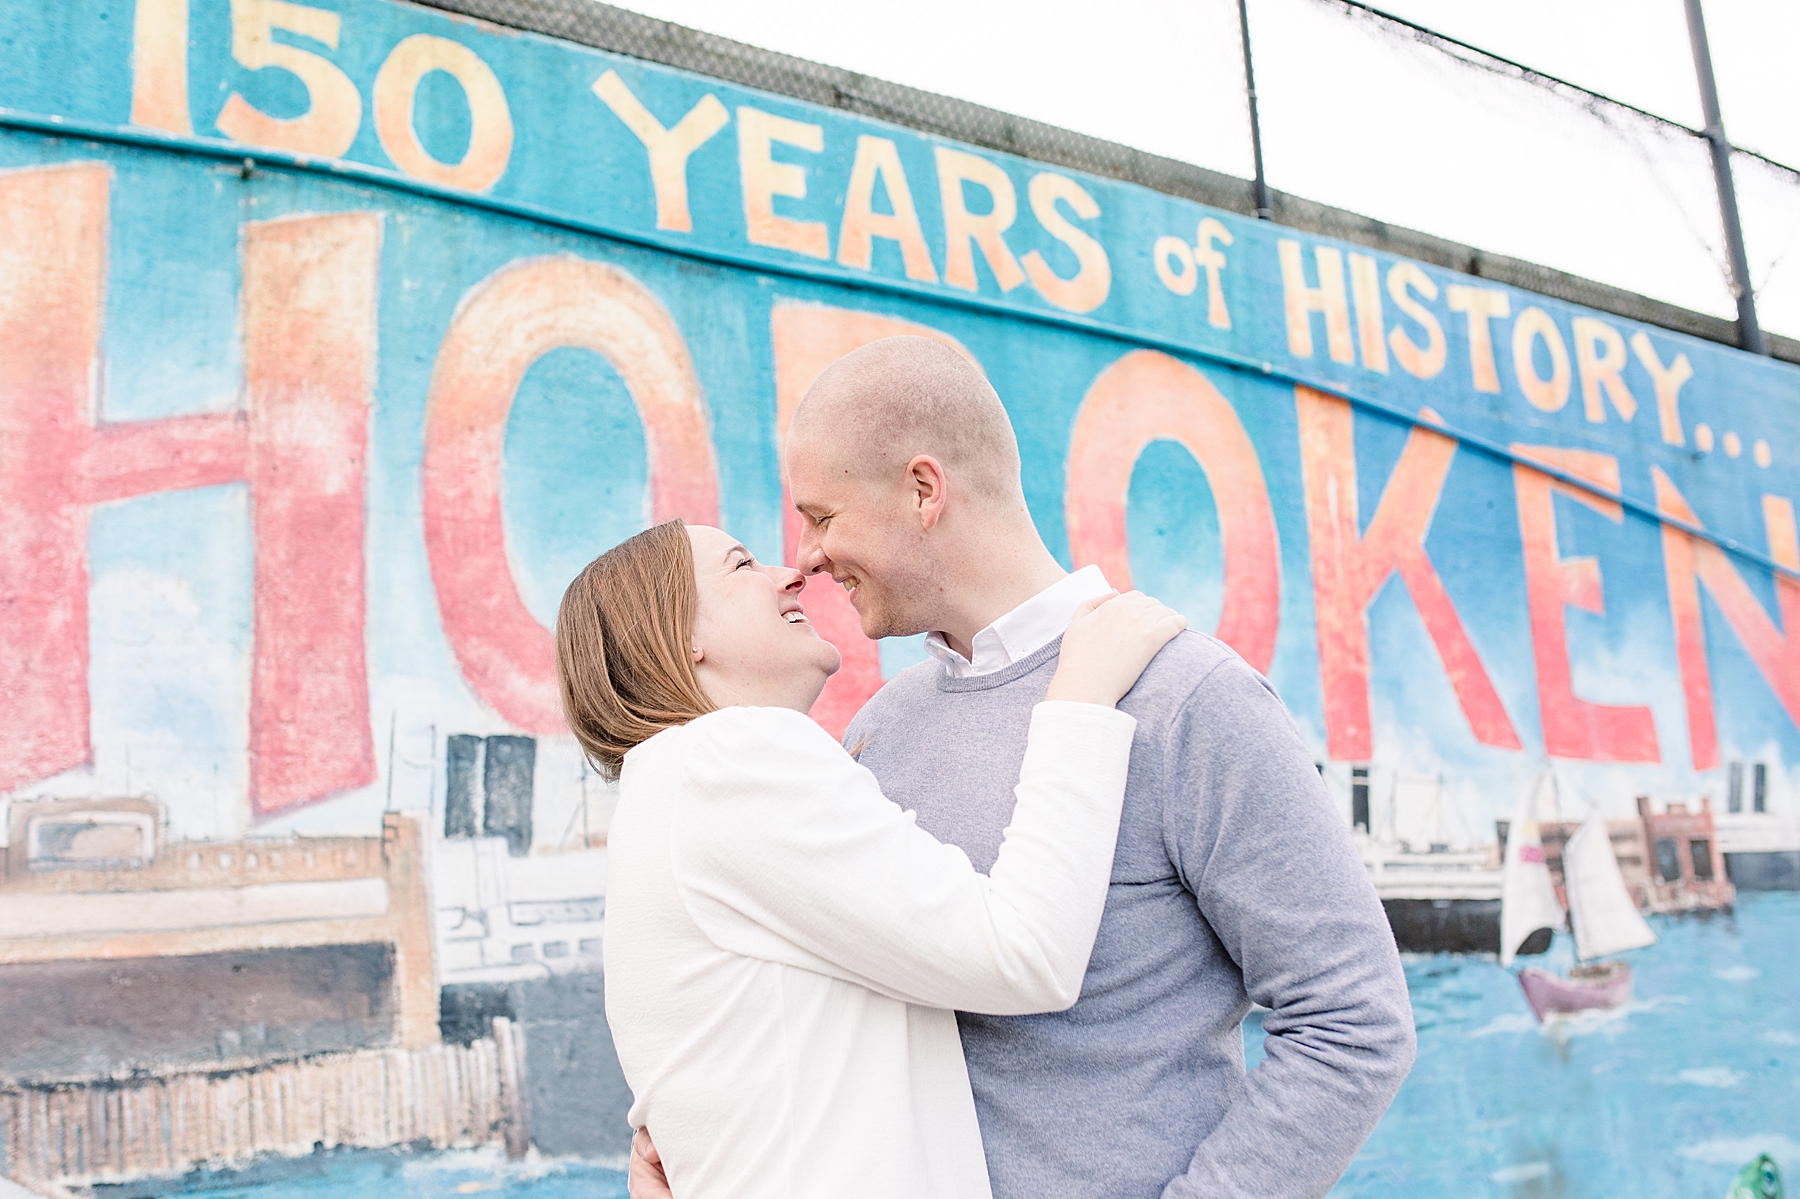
(786, 850)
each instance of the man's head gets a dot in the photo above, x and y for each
(904, 467)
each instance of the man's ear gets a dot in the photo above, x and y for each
(930, 489)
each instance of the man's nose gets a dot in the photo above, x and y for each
(810, 558)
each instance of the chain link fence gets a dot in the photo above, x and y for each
(604, 27)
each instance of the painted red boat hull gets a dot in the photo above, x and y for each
(1549, 993)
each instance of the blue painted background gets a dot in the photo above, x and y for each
(170, 589)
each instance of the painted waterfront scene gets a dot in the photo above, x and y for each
(336, 336)
(1697, 1076)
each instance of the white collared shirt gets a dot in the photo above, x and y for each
(1023, 631)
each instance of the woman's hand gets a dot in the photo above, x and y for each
(645, 1179)
(1110, 641)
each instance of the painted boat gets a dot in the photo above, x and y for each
(1602, 915)
(1588, 988)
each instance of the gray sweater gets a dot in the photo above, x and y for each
(1235, 880)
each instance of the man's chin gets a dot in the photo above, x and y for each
(879, 621)
(876, 626)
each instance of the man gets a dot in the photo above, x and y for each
(1234, 880)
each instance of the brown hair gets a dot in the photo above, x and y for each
(623, 637)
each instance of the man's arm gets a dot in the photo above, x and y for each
(1266, 855)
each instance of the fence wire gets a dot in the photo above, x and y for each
(603, 27)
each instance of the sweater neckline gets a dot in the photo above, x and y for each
(1006, 674)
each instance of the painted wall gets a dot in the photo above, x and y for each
(337, 337)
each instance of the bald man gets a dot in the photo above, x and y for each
(1234, 880)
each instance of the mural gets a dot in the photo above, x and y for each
(335, 337)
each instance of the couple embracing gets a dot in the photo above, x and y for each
(1003, 943)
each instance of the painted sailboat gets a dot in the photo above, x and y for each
(1602, 914)
(1605, 921)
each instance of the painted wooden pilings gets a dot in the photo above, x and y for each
(447, 1096)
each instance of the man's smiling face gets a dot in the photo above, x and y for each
(864, 532)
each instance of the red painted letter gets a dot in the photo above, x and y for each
(808, 339)
(309, 360)
(53, 256)
(309, 327)
(1690, 562)
(506, 323)
(1350, 566)
(1145, 397)
(1573, 727)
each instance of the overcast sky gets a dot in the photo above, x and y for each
(1357, 116)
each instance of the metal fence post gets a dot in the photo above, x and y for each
(1750, 334)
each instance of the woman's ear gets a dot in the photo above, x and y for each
(698, 655)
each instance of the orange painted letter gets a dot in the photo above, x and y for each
(878, 157)
(1573, 727)
(1093, 280)
(1690, 562)
(1350, 567)
(1145, 397)
(300, 443)
(507, 322)
(763, 179)
(669, 149)
(964, 229)
(1327, 299)
(1482, 306)
(1667, 380)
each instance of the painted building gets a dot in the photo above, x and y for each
(336, 337)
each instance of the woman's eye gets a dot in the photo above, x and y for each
(743, 562)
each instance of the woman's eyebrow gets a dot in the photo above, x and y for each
(738, 549)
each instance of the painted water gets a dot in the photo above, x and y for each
(1664, 1099)
(392, 1174)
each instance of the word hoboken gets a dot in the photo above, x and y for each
(406, 418)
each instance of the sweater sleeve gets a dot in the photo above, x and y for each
(1256, 839)
(786, 850)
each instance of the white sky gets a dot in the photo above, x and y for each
(1359, 118)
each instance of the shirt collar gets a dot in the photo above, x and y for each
(1024, 630)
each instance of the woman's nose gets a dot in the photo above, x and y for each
(785, 578)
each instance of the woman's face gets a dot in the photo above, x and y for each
(754, 642)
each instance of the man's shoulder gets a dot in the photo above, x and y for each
(1199, 701)
(1196, 668)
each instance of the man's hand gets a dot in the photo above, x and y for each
(645, 1179)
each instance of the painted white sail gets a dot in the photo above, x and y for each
(1527, 899)
(1601, 912)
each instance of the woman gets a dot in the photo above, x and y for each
(784, 946)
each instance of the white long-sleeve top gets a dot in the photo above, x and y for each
(784, 948)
